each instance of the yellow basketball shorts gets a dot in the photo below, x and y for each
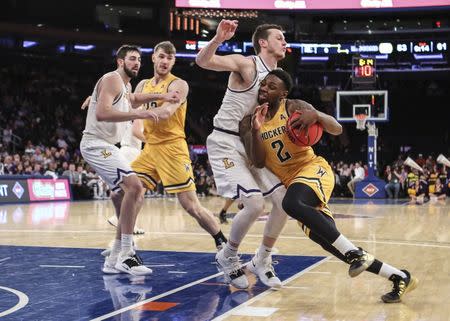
(167, 162)
(319, 176)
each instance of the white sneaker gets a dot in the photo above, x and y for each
(264, 270)
(132, 264)
(114, 221)
(232, 270)
(109, 266)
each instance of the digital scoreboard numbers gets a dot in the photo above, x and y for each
(364, 70)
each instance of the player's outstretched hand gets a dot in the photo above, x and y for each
(259, 116)
(147, 114)
(226, 29)
(85, 103)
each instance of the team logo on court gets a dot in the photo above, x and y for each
(106, 154)
(321, 171)
(227, 163)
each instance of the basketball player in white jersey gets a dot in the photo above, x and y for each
(130, 148)
(233, 173)
(108, 114)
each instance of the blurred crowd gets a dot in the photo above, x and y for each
(41, 125)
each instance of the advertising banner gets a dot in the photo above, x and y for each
(14, 191)
(308, 4)
(25, 190)
(48, 189)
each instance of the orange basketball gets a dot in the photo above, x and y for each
(303, 137)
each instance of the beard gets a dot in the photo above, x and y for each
(130, 73)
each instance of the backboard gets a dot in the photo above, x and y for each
(373, 103)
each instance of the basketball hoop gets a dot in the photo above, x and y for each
(360, 121)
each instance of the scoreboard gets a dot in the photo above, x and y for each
(340, 48)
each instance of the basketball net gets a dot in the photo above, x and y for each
(361, 120)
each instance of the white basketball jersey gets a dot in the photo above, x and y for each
(238, 103)
(129, 139)
(112, 132)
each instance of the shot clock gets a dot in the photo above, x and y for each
(363, 70)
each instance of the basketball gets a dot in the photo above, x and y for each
(305, 136)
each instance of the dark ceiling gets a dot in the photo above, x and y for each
(149, 19)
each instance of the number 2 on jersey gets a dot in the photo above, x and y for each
(282, 156)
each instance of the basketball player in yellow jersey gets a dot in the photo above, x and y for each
(308, 178)
(166, 156)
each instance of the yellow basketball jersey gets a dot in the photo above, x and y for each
(169, 129)
(283, 157)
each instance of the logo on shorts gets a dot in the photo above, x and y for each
(321, 171)
(187, 167)
(227, 163)
(106, 154)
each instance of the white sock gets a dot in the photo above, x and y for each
(229, 250)
(387, 270)
(343, 244)
(127, 243)
(264, 251)
(116, 247)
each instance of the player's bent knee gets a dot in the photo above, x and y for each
(293, 207)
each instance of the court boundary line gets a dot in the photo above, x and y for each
(390, 242)
(23, 301)
(269, 291)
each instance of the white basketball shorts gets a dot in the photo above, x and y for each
(234, 175)
(106, 160)
(129, 153)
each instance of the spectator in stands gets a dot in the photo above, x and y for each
(392, 178)
(61, 169)
(51, 170)
(399, 162)
(7, 135)
(37, 169)
(74, 177)
(420, 160)
(358, 177)
(439, 191)
(422, 190)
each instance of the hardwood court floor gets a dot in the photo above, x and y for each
(407, 236)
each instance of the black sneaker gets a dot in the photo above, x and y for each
(223, 217)
(359, 261)
(401, 286)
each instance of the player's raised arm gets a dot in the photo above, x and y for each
(310, 115)
(207, 57)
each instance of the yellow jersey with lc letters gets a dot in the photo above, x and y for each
(169, 129)
(283, 157)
